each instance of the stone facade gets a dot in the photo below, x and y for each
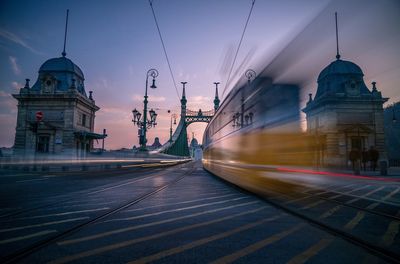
(67, 123)
(345, 114)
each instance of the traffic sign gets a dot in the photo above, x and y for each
(39, 116)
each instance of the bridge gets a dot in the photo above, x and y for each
(178, 145)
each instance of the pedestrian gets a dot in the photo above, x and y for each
(373, 157)
(365, 158)
(354, 157)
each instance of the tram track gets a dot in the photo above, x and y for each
(114, 172)
(24, 252)
(374, 249)
(365, 209)
(283, 201)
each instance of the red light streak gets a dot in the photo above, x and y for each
(343, 175)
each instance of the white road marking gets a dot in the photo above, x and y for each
(127, 229)
(190, 201)
(31, 180)
(42, 224)
(197, 243)
(365, 195)
(175, 210)
(126, 243)
(66, 213)
(14, 239)
(119, 185)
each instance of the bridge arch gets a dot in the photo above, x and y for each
(179, 144)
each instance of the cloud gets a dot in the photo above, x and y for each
(14, 65)
(3, 94)
(197, 102)
(153, 98)
(16, 39)
(16, 85)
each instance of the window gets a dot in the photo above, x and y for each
(83, 120)
(43, 144)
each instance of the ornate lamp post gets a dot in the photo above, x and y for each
(240, 119)
(173, 116)
(145, 123)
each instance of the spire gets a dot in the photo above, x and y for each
(183, 92)
(183, 100)
(216, 99)
(27, 83)
(65, 34)
(374, 87)
(216, 89)
(337, 38)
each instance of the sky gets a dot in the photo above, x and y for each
(116, 42)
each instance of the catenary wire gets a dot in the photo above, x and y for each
(165, 50)
(238, 48)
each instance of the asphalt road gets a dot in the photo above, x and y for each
(183, 214)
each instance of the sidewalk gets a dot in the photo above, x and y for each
(392, 172)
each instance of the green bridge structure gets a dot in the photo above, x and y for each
(178, 145)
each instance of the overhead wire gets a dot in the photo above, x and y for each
(165, 50)
(238, 48)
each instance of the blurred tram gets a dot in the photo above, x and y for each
(255, 134)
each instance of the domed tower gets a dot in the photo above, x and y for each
(55, 115)
(344, 115)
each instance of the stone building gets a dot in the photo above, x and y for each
(344, 114)
(392, 133)
(55, 115)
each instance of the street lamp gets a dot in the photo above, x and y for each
(240, 119)
(173, 116)
(146, 122)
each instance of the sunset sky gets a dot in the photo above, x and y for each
(116, 42)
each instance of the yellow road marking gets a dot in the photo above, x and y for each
(353, 222)
(185, 202)
(151, 165)
(131, 166)
(14, 239)
(256, 246)
(175, 210)
(42, 224)
(391, 233)
(313, 204)
(200, 242)
(126, 229)
(312, 251)
(146, 238)
(330, 211)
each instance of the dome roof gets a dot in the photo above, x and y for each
(61, 64)
(340, 67)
